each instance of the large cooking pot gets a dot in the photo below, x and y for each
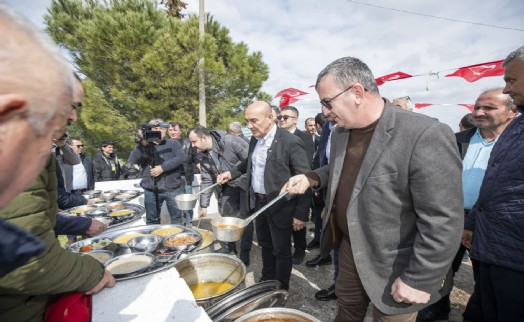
(230, 229)
(277, 314)
(211, 267)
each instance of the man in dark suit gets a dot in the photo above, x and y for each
(393, 199)
(288, 119)
(274, 156)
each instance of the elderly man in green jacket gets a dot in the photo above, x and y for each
(37, 89)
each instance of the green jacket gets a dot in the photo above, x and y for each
(24, 291)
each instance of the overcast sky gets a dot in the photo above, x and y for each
(298, 38)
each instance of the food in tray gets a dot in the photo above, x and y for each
(181, 240)
(121, 212)
(81, 210)
(123, 239)
(102, 243)
(101, 256)
(124, 196)
(207, 289)
(129, 264)
(207, 238)
(95, 200)
(167, 231)
(86, 248)
(115, 205)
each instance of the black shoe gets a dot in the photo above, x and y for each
(313, 244)
(436, 311)
(244, 257)
(298, 256)
(319, 261)
(326, 294)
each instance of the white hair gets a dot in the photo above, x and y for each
(18, 70)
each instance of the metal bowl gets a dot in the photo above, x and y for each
(98, 212)
(277, 313)
(89, 194)
(168, 241)
(147, 243)
(186, 201)
(115, 205)
(129, 264)
(107, 196)
(101, 255)
(95, 201)
(132, 192)
(115, 191)
(80, 210)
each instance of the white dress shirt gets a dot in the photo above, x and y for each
(258, 160)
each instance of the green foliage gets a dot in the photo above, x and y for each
(141, 64)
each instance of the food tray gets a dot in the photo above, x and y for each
(156, 266)
(115, 223)
(98, 197)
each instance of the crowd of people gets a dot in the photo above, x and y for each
(396, 197)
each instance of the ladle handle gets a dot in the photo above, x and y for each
(261, 210)
(211, 186)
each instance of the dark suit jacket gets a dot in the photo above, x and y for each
(308, 144)
(405, 215)
(285, 158)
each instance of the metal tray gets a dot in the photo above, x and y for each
(139, 212)
(156, 266)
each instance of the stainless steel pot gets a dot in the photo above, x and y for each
(230, 229)
(187, 201)
(212, 268)
(279, 314)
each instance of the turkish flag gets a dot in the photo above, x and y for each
(286, 100)
(422, 105)
(391, 77)
(290, 92)
(475, 72)
(468, 106)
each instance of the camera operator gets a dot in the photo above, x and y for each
(161, 161)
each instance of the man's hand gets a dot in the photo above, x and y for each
(224, 177)
(296, 185)
(202, 213)
(467, 238)
(96, 228)
(107, 281)
(401, 292)
(298, 224)
(156, 171)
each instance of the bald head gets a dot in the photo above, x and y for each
(259, 118)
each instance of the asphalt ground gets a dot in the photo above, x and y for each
(306, 281)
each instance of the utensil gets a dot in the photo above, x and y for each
(230, 229)
(187, 201)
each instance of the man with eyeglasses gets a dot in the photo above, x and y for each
(393, 203)
(80, 177)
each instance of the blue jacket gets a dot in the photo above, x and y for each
(169, 155)
(497, 219)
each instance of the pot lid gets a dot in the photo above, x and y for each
(245, 297)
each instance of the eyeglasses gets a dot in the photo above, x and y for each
(79, 145)
(285, 117)
(327, 102)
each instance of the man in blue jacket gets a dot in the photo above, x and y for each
(494, 229)
(161, 161)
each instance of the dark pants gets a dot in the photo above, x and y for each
(501, 293)
(353, 300)
(275, 241)
(299, 239)
(317, 204)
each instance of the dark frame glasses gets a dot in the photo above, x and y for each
(285, 117)
(327, 102)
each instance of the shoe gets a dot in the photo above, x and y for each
(298, 256)
(319, 261)
(326, 294)
(436, 311)
(244, 257)
(313, 244)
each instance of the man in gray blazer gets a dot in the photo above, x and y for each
(394, 201)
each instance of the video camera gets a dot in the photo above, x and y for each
(149, 135)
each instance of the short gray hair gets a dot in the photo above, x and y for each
(516, 54)
(507, 99)
(347, 71)
(10, 63)
(235, 127)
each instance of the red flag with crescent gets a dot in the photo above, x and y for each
(475, 72)
(391, 77)
(292, 92)
(286, 100)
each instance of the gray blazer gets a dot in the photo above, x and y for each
(405, 216)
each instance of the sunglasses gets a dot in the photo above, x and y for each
(79, 145)
(327, 102)
(285, 117)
